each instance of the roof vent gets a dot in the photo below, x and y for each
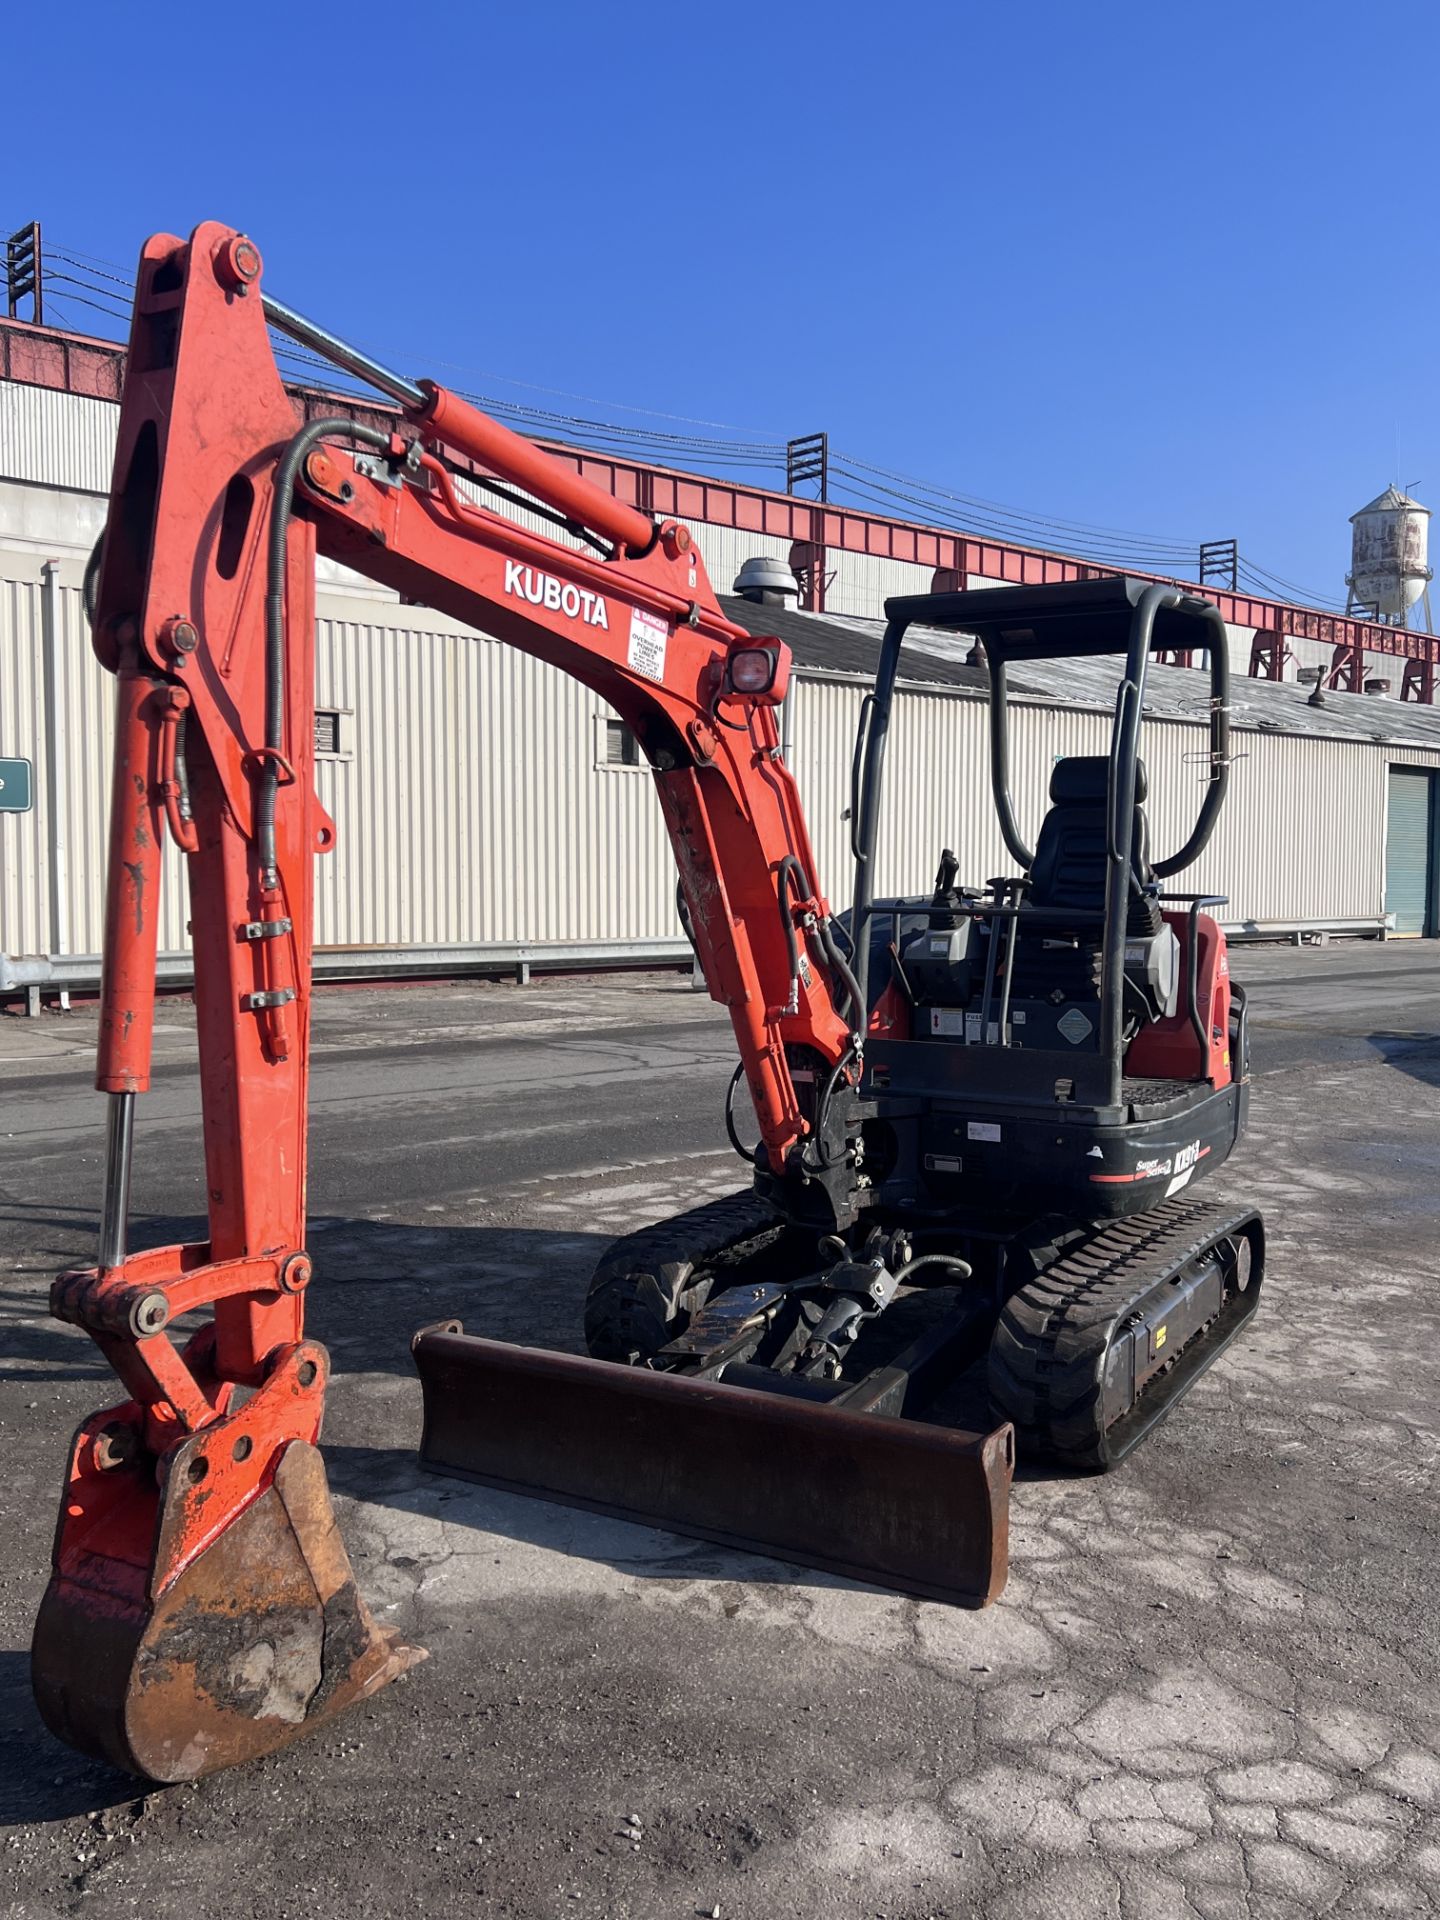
(1314, 678)
(766, 581)
(1379, 688)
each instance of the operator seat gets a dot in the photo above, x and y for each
(1068, 872)
(1060, 922)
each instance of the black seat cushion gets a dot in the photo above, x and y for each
(1068, 874)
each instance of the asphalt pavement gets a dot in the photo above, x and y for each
(1209, 1690)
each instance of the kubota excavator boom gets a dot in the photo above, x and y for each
(202, 1608)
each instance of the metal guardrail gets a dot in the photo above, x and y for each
(1372, 926)
(32, 976)
(35, 975)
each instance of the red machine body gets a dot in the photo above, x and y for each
(204, 610)
(1170, 1049)
(201, 1608)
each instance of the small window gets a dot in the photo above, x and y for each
(327, 732)
(622, 749)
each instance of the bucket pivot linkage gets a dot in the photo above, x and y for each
(201, 1609)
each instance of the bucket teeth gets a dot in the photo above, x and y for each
(916, 1508)
(255, 1641)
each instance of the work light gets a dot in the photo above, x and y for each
(752, 670)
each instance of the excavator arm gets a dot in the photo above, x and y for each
(202, 1609)
(205, 610)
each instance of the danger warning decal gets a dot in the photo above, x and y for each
(648, 635)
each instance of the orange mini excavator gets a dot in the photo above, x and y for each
(979, 1110)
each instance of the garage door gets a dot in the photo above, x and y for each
(1409, 882)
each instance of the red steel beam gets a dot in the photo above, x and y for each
(75, 363)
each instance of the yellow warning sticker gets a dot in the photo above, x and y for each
(1159, 1338)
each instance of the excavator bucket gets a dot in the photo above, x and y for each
(896, 1503)
(172, 1673)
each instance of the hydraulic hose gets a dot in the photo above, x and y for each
(791, 876)
(308, 437)
(791, 881)
(960, 1268)
(842, 968)
(750, 1155)
(825, 1161)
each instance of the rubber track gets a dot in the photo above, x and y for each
(633, 1307)
(1047, 1358)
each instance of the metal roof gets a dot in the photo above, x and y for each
(1388, 501)
(847, 644)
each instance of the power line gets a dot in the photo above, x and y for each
(1106, 552)
(107, 289)
(121, 279)
(94, 286)
(1018, 514)
(1259, 574)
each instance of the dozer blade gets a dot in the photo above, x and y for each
(254, 1642)
(899, 1504)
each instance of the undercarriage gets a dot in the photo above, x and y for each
(1063, 1345)
(1089, 1334)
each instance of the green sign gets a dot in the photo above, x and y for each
(15, 785)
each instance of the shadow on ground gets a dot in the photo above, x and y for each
(379, 1281)
(376, 1283)
(40, 1779)
(392, 1478)
(1416, 1054)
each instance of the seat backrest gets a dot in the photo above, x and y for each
(1068, 874)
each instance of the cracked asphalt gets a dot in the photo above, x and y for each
(1208, 1693)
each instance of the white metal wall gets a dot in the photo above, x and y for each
(726, 549)
(24, 872)
(474, 803)
(52, 859)
(1301, 837)
(54, 439)
(472, 797)
(861, 583)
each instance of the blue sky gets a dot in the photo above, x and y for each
(1161, 267)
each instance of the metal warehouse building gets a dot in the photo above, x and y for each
(492, 812)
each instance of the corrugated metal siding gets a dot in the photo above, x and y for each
(856, 583)
(24, 913)
(56, 439)
(861, 583)
(485, 817)
(726, 549)
(1301, 837)
(472, 807)
(38, 913)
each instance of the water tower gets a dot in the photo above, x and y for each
(1389, 570)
